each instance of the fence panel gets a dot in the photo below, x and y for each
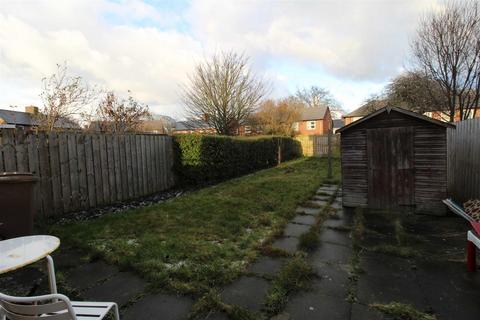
(82, 170)
(317, 145)
(464, 160)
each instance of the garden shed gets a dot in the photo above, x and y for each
(394, 158)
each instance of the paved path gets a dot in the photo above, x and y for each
(435, 281)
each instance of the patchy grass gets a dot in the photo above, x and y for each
(354, 269)
(309, 240)
(206, 238)
(395, 250)
(294, 276)
(400, 311)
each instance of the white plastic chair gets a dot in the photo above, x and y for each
(53, 307)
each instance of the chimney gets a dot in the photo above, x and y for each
(31, 109)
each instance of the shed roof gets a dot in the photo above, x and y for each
(313, 113)
(400, 110)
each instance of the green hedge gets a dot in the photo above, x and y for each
(202, 159)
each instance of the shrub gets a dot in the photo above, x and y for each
(202, 159)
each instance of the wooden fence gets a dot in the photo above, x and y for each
(464, 160)
(83, 170)
(317, 145)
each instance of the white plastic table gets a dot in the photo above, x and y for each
(19, 252)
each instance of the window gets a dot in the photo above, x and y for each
(311, 125)
(296, 126)
(248, 129)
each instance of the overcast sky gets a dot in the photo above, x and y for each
(351, 48)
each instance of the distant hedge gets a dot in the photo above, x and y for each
(204, 159)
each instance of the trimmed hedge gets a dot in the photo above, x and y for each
(202, 159)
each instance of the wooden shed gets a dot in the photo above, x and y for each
(395, 158)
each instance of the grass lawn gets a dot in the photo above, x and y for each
(205, 238)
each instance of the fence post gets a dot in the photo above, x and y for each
(329, 139)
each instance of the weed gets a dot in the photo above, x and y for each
(400, 311)
(341, 228)
(309, 240)
(294, 276)
(399, 251)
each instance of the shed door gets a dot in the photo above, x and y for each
(391, 180)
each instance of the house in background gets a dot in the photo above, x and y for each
(27, 120)
(442, 116)
(364, 110)
(375, 105)
(316, 120)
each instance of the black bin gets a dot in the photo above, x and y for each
(17, 204)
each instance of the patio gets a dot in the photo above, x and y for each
(367, 265)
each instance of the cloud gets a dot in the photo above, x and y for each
(362, 40)
(150, 47)
(149, 61)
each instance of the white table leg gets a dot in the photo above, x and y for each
(51, 275)
(2, 314)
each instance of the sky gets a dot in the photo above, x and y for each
(350, 47)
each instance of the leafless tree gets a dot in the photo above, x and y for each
(447, 50)
(118, 115)
(278, 117)
(223, 92)
(63, 97)
(316, 97)
(416, 92)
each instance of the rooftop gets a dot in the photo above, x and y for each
(314, 113)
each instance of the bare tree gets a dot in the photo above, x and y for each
(416, 92)
(447, 50)
(316, 97)
(278, 117)
(223, 92)
(63, 97)
(121, 115)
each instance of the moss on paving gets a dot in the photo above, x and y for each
(294, 276)
(400, 311)
(309, 240)
(206, 238)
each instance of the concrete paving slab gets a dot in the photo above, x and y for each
(318, 203)
(336, 237)
(331, 253)
(266, 266)
(333, 280)
(324, 200)
(450, 291)
(305, 219)
(295, 230)
(288, 244)
(314, 306)
(334, 223)
(247, 292)
(310, 211)
(87, 275)
(387, 279)
(121, 288)
(159, 306)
